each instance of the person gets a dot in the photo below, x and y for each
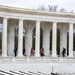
(64, 52)
(32, 52)
(53, 74)
(42, 52)
(15, 51)
(0, 51)
(24, 52)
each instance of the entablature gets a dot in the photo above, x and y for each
(17, 13)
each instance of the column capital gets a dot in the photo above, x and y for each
(55, 22)
(21, 19)
(71, 22)
(5, 17)
(38, 21)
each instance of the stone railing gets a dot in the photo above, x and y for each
(38, 59)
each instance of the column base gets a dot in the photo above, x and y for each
(54, 56)
(4, 55)
(20, 56)
(37, 55)
(70, 56)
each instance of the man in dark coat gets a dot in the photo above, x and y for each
(15, 51)
(64, 52)
(24, 52)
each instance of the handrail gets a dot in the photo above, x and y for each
(33, 72)
(25, 73)
(6, 72)
(43, 73)
(15, 72)
(1, 74)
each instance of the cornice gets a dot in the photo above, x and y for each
(34, 12)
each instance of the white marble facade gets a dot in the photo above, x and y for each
(11, 17)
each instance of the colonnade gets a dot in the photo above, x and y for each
(37, 39)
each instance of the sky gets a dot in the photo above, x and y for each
(69, 5)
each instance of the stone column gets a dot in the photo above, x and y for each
(71, 40)
(37, 39)
(11, 40)
(61, 41)
(20, 39)
(54, 39)
(46, 40)
(63, 38)
(4, 38)
(28, 39)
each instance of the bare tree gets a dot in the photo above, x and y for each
(42, 7)
(52, 8)
(71, 11)
(62, 10)
(55, 8)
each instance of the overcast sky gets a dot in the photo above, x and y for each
(67, 4)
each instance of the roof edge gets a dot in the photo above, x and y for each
(33, 11)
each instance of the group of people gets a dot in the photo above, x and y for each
(32, 52)
(42, 52)
(15, 52)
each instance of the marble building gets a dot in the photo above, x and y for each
(53, 31)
